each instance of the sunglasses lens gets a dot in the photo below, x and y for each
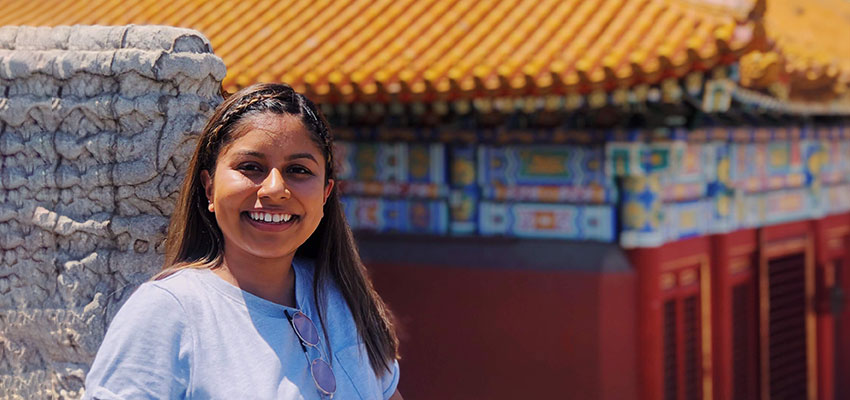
(323, 375)
(305, 328)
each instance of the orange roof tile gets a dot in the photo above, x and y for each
(376, 50)
(809, 49)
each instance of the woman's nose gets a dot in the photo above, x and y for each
(274, 187)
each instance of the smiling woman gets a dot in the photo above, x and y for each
(263, 294)
(270, 172)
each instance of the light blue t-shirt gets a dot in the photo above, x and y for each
(192, 335)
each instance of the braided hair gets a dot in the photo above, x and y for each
(275, 98)
(194, 239)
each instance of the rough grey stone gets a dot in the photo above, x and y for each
(97, 125)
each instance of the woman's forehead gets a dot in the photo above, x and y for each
(273, 132)
(270, 123)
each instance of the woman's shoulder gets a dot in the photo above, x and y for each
(162, 297)
(338, 317)
(182, 285)
(349, 351)
(305, 275)
(148, 345)
(167, 300)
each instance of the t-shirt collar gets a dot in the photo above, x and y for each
(303, 289)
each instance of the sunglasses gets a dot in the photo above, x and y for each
(322, 373)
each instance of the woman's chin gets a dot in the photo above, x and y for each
(271, 255)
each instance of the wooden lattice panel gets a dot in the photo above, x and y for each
(787, 328)
(690, 327)
(743, 342)
(842, 341)
(682, 346)
(670, 365)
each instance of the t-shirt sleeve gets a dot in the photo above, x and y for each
(389, 380)
(146, 352)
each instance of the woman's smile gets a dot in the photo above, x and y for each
(270, 221)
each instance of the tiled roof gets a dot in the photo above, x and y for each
(808, 50)
(377, 50)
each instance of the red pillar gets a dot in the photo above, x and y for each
(650, 343)
(831, 235)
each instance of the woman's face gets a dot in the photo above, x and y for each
(268, 189)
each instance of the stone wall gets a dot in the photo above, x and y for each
(97, 125)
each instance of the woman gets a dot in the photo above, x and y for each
(263, 294)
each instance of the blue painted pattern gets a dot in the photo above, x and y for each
(640, 188)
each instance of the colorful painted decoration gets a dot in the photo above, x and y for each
(554, 221)
(540, 165)
(684, 184)
(389, 215)
(391, 162)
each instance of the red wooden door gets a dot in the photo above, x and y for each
(787, 319)
(744, 338)
(685, 340)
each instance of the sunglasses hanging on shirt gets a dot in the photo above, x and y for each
(308, 334)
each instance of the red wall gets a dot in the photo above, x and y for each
(476, 333)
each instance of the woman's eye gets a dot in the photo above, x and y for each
(297, 169)
(250, 167)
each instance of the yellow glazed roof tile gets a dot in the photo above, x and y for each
(378, 50)
(808, 49)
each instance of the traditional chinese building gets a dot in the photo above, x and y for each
(640, 199)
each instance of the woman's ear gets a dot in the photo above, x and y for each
(206, 180)
(328, 188)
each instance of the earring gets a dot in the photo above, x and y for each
(210, 206)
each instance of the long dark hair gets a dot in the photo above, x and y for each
(194, 239)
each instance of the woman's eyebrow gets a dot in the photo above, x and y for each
(301, 155)
(257, 154)
(250, 153)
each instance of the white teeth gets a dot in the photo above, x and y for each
(268, 217)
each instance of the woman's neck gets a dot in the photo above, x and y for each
(270, 279)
